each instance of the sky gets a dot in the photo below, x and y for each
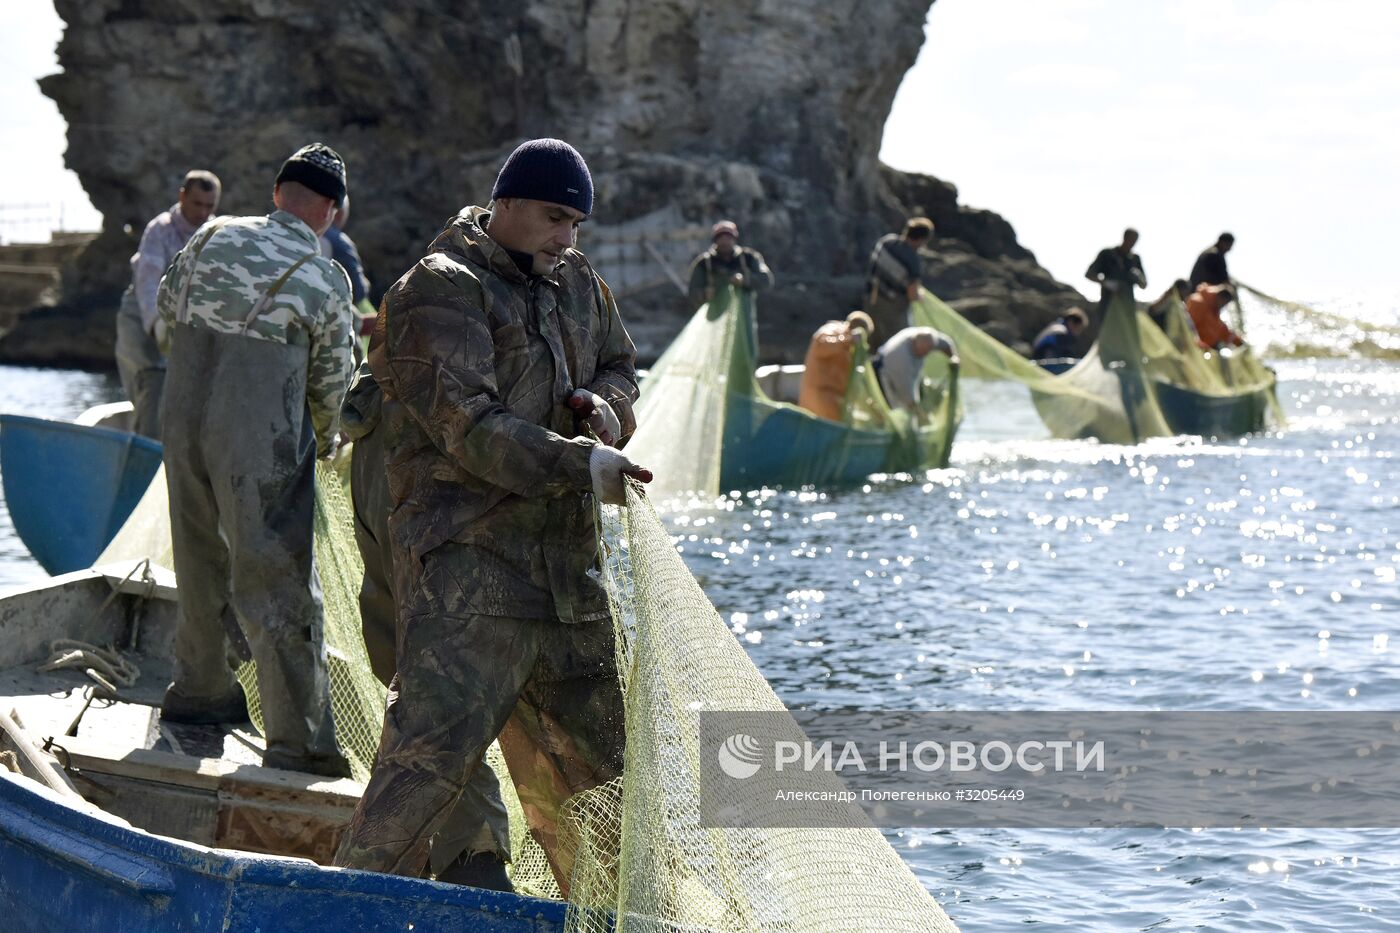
(36, 191)
(1278, 120)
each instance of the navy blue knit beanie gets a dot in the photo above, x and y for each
(546, 170)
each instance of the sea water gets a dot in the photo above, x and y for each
(1257, 573)
(1036, 574)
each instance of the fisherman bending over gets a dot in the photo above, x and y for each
(1060, 339)
(1204, 306)
(259, 339)
(139, 362)
(892, 281)
(492, 354)
(900, 366)
(826, 372)
(1210, 268)
(1180, 290)
(1117, 269)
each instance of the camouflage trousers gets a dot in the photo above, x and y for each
(548, 690)
(478, 822)
(140, 367)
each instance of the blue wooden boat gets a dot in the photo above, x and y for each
(70, 486)
(770, 441)
(123, 825)
(66, 869)
(1215, 415)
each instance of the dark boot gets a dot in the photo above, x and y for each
(331, 766)
(479, 870)
(176, 707)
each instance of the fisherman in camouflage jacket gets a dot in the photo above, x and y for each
(507, 377)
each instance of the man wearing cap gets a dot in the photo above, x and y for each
(727, 263)
(139, 363)
(893, 278)
(507, 376)
(257, 327)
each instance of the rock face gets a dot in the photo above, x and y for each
(768, 112)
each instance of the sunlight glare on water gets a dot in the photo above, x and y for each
(1037, 575)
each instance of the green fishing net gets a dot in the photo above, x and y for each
(1284, 328)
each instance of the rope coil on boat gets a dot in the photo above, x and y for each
(107, 667)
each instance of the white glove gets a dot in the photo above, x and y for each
(607, 467)
(602, 419)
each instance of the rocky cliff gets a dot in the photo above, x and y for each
(769, 112)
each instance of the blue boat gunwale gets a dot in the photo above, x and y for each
(82, 430)
(33, 816)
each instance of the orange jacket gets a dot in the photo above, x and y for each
(827, 370)
(1204, 307)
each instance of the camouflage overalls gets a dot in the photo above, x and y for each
(259, 349)
(479, 822)
(503, 631)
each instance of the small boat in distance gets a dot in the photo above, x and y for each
(1137, 381)
(710, 421)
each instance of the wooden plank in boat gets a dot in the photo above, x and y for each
(214, 802)
(33, 761)
(209, 773)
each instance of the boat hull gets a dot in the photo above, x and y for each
(69, 487)
(772, 444)
(1189, 412)
(62, 868)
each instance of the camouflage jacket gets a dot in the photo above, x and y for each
(476, 361)
(232, 278)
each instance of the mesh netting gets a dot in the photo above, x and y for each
(1289, 328)
(357, 696)
(644, 856)
(707, 425)
(1135, 381)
